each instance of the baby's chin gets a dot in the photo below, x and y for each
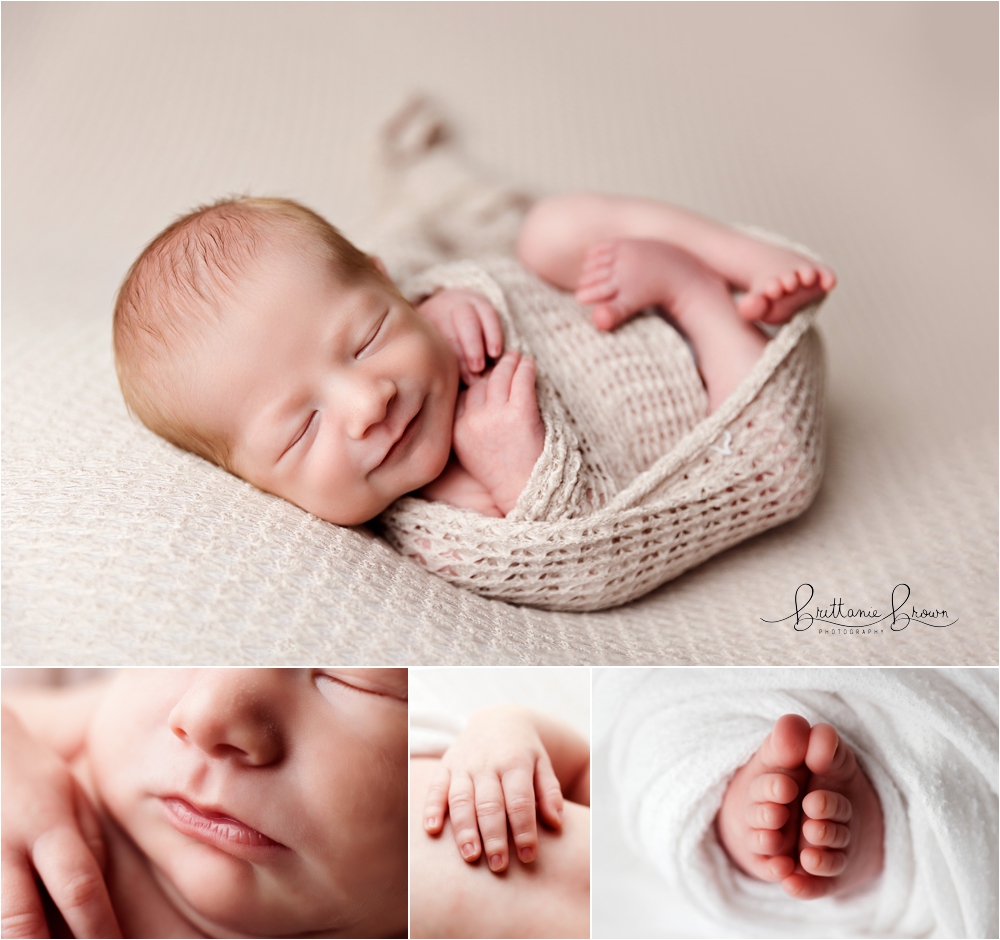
(222, 907)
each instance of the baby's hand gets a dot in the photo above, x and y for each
(471, 326)
(49, 830)
(499, 434)
(490, 776)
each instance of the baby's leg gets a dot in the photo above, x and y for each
(758, 823)
(624, 276)
(559, 231)
(840, 845)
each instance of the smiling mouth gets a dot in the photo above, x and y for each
(219, 830)
(409, 432)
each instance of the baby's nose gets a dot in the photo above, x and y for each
(233, 713)
(370, 405)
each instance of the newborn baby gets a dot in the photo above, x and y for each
(253, 334)
(265, 802)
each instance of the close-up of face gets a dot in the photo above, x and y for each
(338, 398)
(268, 802)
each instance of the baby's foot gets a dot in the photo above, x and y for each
(840, 844)
(779, 282)
(758, 823)
(622, 277)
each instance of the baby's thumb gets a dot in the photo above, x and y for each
(548, 792)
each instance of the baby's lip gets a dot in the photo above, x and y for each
(217, 828)
(405, 436)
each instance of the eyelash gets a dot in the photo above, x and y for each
(347, 685)
(305, 427)
(374, 335)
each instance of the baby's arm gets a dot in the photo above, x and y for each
(507, 763)
(49, 829)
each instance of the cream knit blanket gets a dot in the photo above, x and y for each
(634, 485)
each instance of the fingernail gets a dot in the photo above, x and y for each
(496, 861)
(430, 822)
(468, 850)
(526, 855)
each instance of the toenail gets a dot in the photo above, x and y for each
(468, 850)
(495, 862)
(430, 822)
(525, 854)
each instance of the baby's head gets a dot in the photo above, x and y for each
(253, 334)
(268, 802)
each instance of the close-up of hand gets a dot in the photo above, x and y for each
(471, 326)
(498, 433)
(496, 773)
(50, 832)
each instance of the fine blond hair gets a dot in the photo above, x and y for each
(177, 285)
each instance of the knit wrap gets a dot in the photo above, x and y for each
(635, 483)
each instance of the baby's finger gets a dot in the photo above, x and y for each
(519, 799)
(470, 334)
(475, 396)
(70, 872)
(90, 827)
(462, 806)
(548, 792)
(437, 800)
(492, 819)
(489, 319)
(501, 376)
(20, 904)
(522, 385)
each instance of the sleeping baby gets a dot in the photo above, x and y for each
(198, 802)
(253, 334)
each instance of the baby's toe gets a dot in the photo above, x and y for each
(804, 887)
(607, 316)
(594, 273)
(752, 306)
(774, 289)
(826, 753)
(826, 834)
(807, 275)
(827, 278)
(827, 805)
(785, 747)
(773, 788)
(790, 281)
(822, 862)
(773, 868)
(765, 841)
(767, 815)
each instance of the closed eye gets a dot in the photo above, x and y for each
(325, 683)
(301, 433)
(370, 340)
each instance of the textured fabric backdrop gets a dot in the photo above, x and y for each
(865, 131)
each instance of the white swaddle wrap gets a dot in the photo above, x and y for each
(634, 485)
(927, 739)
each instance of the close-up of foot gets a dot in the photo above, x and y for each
(779, 282)
(840, 843)
(759, 822)
(621, 277)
